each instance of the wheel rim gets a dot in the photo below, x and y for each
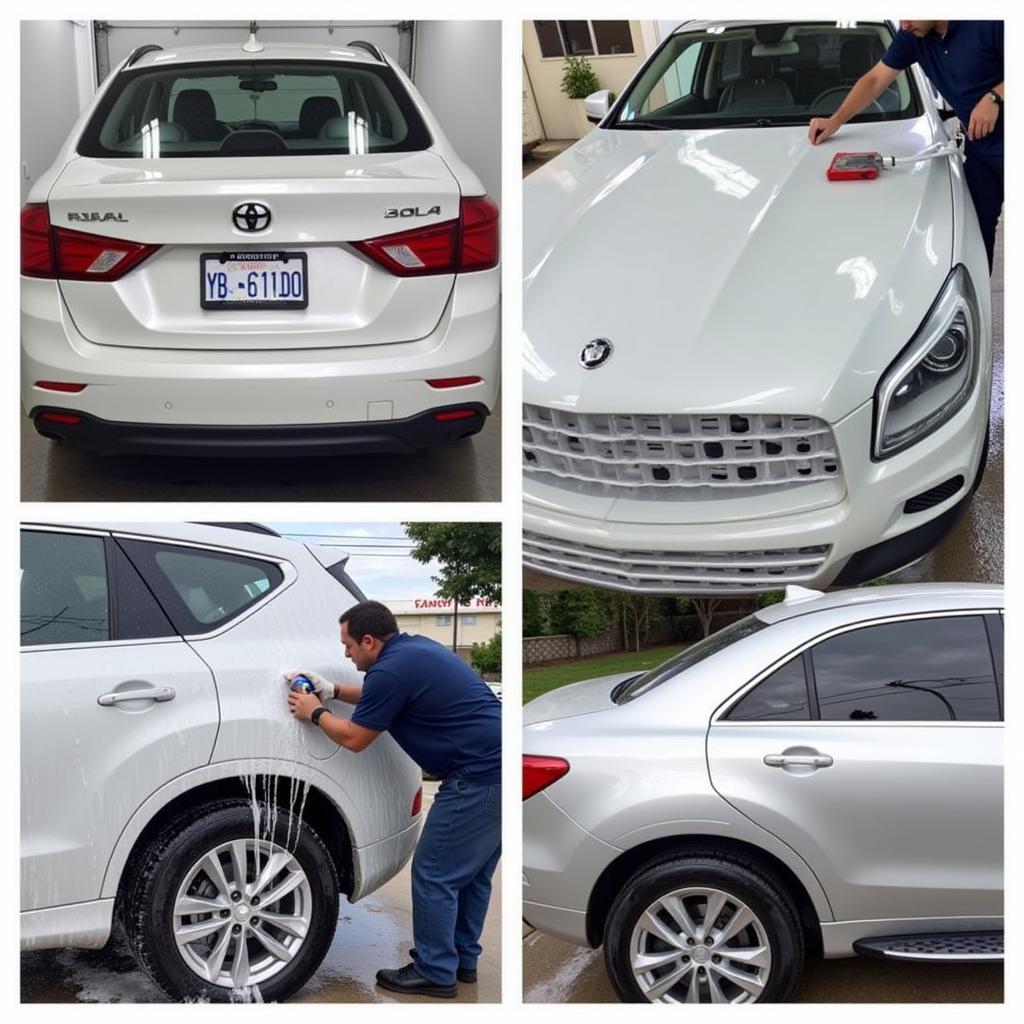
(242, 913)
(700, 945)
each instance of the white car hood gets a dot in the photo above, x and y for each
(575, 699)
(727, 272)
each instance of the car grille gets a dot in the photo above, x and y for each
(673, 572)
(676, 457)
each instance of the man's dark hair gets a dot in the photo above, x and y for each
(370, 618)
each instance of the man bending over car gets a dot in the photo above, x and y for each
(449, 722)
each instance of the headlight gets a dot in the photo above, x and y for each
(935, 374)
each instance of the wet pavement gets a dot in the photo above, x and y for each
(556, 972)
(373, 933)
(467, 470)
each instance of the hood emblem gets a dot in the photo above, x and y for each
(251, 216)
(595, 353)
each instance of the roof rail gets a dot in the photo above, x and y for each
(245, 528)
(141, 51)
(371, 48)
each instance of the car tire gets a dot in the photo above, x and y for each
(660, 919)
(275, 954)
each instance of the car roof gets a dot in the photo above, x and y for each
(703, 26)
(894, 599)
(240, 537)
(270, 51)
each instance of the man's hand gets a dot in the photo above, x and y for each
(324, 690)
(983, 118)
(303, 704)
(821, 128)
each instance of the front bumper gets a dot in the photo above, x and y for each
(751, 546)
(308, 395)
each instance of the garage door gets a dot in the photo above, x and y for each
(116, 39)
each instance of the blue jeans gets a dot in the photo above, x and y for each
(451, 877)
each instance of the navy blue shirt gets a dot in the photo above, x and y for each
(439, 711)
(963, 65)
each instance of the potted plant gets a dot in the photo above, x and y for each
(578, 81)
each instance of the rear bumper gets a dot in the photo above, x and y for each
(341, 392)
(110, 437)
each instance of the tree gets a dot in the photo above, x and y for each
(486, 657)
(581, 613)
(705, 607)
(533, 614)
(636, 614)
(470, 557)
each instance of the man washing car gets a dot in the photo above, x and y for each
(964, 60)
(448, 721)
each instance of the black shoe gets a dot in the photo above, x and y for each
(467, 975)
(408, 980)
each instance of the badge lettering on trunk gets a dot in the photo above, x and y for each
(93, 218)
(411, 211)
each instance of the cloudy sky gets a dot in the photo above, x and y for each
(380, 561)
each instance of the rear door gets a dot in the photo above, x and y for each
(876, 754)
(114, 705)
(256, 182)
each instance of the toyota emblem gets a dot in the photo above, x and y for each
(251, 216)
(595, 353)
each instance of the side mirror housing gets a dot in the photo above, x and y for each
(597, 105)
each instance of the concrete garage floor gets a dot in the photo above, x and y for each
(373, 933)
(555, 972)
(467, 470)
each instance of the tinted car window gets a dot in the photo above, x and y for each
(199, 589)
(138, 614)
(64, 592)
(781, 697)
(687, 659)
(254, 108)
(924, 670)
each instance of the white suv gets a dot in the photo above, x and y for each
(740, 374)
(163, 779)
(256, 249)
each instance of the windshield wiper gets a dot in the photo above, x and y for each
(656, 126)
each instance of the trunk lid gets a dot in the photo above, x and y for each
(575, 699)
(318, 206)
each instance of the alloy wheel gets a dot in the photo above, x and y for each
(700, 945)
(242, 912)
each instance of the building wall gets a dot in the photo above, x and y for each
(545, 76)
(426, 624)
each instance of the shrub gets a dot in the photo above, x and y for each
(578, 78)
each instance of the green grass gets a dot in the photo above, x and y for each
(539, 680)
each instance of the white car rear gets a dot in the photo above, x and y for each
(251, 252)
(163, 779)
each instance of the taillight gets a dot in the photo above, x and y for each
(36, 245)
(478, 249)
(417, 803)
(85, 257)
(74, 255)
(540, 772)
(454, 246)
(60, 385)
(454, 382)
(455, 414)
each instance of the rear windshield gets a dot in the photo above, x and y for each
(642, 684)
(780, 73)
(254, 108)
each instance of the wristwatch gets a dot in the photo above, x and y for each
(995, 98)
(315, 717)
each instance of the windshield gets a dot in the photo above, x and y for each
(642, 684)
(762, 75)
(254, 108)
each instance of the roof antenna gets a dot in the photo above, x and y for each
(254, 45)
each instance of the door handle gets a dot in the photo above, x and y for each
(159, 694)
(798, 760)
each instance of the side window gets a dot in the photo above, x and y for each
(137, 613)
(200, 589)
(923, 670)
(781, 697)
(64, 592)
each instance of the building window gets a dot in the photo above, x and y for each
(469, 620)
(583, 38)
(442, 620)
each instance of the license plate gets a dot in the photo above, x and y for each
(253, 280)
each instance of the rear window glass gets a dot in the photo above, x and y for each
(687, 659)
(254, 108)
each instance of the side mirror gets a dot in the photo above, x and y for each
(597, 105)
(945, 113)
